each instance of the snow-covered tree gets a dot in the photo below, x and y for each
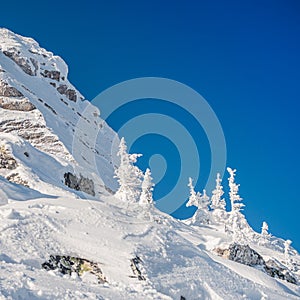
(194, 199)
(235, 199)
(264, 230)
(218, 203)
(147, 188)
(287, 246)
(128, 175)
(201, 202)
(264, 235)
(237, 224)
(204, 200)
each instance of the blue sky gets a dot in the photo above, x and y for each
(241, 56)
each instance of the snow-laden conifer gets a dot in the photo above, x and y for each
(237, 224)
(235, 199)
(201, 201)
(147, 188)
(218, 203)
(264, 230)
(128, 175)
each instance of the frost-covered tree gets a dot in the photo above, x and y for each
(201, 216)
(264, 235)
(264, 230)
(237, 224)
(235, 199)
(287, 246)
(147, 188)
(288, 256)
(204, 200)
(218, 203)
(128, 175)
(194, 198)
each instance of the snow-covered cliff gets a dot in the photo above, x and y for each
(42, 108)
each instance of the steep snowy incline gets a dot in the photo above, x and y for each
(38, 103)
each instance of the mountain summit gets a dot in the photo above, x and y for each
(65, 234)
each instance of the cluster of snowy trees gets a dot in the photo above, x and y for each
(216, 206)
(134, 186)
(214, 210)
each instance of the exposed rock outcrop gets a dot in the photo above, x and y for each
(34, 130)
(16, 104)
(6, 160)
(9, 91)
(28, 66)
(69, 93)
(16, 178)
(70, 264)
(245, 255)
(79, 184)
(242, 254)
(51, 74)
(134, 264)
(275, 270)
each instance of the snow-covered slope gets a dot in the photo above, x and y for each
(56, 199)
(42, 107)
(174, 257)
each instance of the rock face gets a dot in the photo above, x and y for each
(8, 91)
(79, 184)
(6, 160)
(51, 74)
(29, 66)
(274, 270)
(16, 104)
(16, 178)
(33, 129)
(37, 62)
(70, 264)
(69, 93)
(13, 99)
(245, 255)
